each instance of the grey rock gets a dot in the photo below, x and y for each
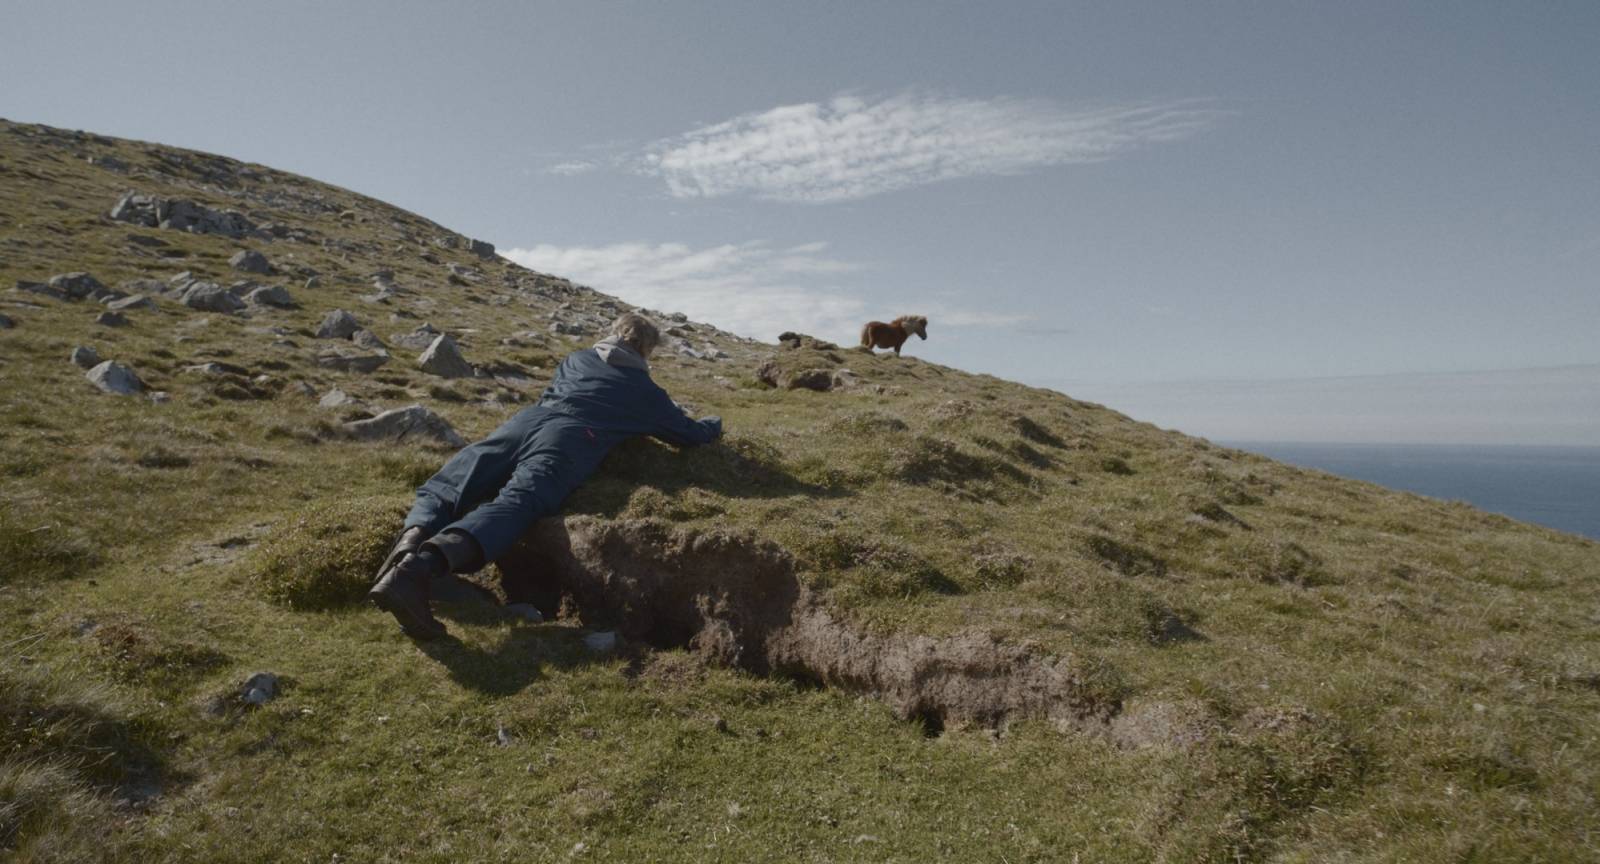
(179, 214)
(337, 398)
(85, 357)
(678, 317)
(844, 378)
(564, 328)
(210, 297)
(111, 319)
(337, 324)
(132, 301)
(259, 689)
(410, 423)
(41, 289)
(270, 295)
(178, 280)
(7, 322)
(110, 163)
(160, 397)
(368, 340)
(444, 359)
(115, 378)
(480, 248)
(250, 261)
(351, 361)
(417, 339)
(214, 369)
(76, 286)
(461, 271)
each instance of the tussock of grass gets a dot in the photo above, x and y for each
(326, 555)
(44, 551)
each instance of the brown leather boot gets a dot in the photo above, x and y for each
(403, 593)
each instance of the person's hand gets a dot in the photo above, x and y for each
(714, 423)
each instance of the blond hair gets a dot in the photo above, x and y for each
(637, 332)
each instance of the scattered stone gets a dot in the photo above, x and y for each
(368, 340)
(337, 324)
(602, 642)
(313, 283)
(178, 280)
(132, 301)
(111, 319)
(250, 261)
(210, 297)
(85, 357)
(409, 423)
(259, 689)
(337, 398)
(418, 339)
(115, 378)
(844, 378)
(461, 271)
(809, 379)
(444, 359)
(110, 163)
(351, 361)
(76, 286)
(146, 240)
(160, 397)
(270, 295)
(678, 318)
(40, 288)
(7, 322)
(214, 369)
(562, 328)
(481, 248)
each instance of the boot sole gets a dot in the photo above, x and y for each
(415, 627)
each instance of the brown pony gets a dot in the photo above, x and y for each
(894, 334)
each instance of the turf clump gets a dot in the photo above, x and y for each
(326, 555)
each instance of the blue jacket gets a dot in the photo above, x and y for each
(495, 488)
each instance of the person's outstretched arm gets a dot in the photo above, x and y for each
(670, 424)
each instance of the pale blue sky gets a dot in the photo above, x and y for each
(1134, 202)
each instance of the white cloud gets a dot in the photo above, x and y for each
(571, 169)
(850, 147)
(752, 289)
(747, 288)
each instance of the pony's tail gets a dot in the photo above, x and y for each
(866, 336)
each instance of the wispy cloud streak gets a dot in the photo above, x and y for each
(753, 289)
(850, 148)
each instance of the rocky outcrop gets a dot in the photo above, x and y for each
(411, 423)
(180, 214)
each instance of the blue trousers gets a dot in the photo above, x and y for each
(495, 489)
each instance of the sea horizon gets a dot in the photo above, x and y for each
(1556, 486)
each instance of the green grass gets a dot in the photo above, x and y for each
(1308, 668)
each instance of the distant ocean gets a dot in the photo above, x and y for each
(1554, 486)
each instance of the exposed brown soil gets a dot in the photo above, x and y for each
(737, 600)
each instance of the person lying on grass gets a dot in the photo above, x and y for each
(488, 494)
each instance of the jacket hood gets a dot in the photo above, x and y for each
(617, 353)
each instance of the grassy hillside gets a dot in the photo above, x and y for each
(920, 615)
